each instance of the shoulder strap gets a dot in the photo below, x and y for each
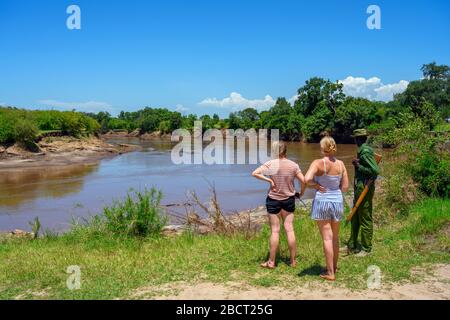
(324, 166)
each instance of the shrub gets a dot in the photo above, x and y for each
(426, 158)
(7, 121)
(431, 169)
(91, 126)
(139, 214)
(48, 120)
(24, 125)
(397, 190)
(116, 124)
(164, 126)
(76, 124)
(25, 131)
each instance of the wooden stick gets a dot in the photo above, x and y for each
(378, 158)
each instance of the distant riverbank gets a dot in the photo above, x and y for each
(60, 151)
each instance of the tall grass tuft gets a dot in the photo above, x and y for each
(139, 214)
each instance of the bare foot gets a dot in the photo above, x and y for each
(328, 277)
(268, 265)
(325, 270)
(293, 264)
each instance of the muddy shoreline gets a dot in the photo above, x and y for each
(61, 151)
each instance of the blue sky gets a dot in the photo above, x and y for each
(210, 56)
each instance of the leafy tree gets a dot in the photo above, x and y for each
(207, 122)
(355, 113)
(234, 122)
(320, 121)
(435, 89)
(188, 122)
(244, 119)
(433, 71)
(248, 117)
(282, 116)
(117, 124)
(318, 91)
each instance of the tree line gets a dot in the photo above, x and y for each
(321, 106)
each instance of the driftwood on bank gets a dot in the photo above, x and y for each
(207, 218)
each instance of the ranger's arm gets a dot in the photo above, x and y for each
(367, 164)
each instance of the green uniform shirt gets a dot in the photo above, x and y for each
(368, 167)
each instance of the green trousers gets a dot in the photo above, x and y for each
(362, 220)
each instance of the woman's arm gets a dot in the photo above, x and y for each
(259, 175)
(301, 178)
(344, 181)
(309, 177)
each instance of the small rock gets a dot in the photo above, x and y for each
(22, 234)
(135, 133)
(2, 149)
(13, 151)
(173, 230)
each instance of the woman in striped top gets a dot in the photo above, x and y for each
(280, 173)
(329, 176)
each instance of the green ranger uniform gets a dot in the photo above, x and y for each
(362, 220)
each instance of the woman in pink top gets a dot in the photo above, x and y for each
(280, 173)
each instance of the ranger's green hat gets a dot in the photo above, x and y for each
(360, 133)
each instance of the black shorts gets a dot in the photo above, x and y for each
(274, 206)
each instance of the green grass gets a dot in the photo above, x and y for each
(43, 132)
(114, 267)
(444, 127)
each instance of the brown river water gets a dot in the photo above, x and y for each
(58, 194)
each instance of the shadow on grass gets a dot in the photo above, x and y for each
(313, 270)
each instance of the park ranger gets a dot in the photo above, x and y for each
(366, 171)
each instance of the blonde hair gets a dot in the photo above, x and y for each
(328, 145)
(279, 149)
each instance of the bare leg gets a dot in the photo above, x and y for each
(274, 220)
(327, 237)
(288, 218)
(335, 229)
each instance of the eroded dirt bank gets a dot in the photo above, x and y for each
(58, 151)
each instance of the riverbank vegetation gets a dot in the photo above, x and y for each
(25, 126)
(118, 266)
(321, 105)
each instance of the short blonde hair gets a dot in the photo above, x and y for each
(279, 149)
(328, 145)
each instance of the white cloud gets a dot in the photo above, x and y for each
(386, 92)
(180, 108)
(237, 102)
(293, 99)
(372, 88)
(89, 106)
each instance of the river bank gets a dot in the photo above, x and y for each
(61, 151)
(407, 252)
(156, 135)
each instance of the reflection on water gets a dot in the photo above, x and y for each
(58, 194)
(21, 186)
